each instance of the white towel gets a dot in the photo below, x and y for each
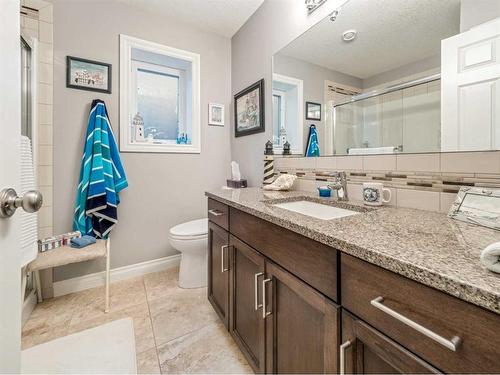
(490, 257)
(371, 150)
(29, 231)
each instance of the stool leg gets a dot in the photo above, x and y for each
(106, 308)
(38, 286)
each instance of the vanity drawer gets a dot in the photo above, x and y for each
(385, 300)
(218, 213)
(314, 263)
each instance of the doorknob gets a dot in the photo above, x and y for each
(31, 202)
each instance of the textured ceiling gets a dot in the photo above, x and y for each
(223, 17)
(391, 33)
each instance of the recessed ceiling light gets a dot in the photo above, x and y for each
(349, 35)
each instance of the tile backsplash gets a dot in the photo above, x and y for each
(422, 181)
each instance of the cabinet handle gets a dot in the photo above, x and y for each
(452, 344)
(265, 313)
(256, 287)
(343, 348)
(215, 212)
(223, 269)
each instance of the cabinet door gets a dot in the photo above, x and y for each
(302, 325)
(365, 350)
(246, 321)
(218, 274)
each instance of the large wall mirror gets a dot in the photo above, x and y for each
(391, 76)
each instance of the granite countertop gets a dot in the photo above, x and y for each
(424, 246)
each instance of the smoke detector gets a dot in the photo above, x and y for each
(349, 35)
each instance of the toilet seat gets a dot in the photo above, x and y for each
(191, 230)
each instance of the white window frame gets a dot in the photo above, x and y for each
(128, 101)
(295, 149)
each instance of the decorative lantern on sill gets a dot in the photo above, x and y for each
(138, 127)
(286, 149)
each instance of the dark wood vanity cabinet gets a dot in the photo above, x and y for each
(294, 305)
(280, 322)
(364, 350)
(302, 326)
(218, 272)
(247, 325)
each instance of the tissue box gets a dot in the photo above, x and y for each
(237, 184)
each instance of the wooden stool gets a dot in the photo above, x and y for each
(68, 255)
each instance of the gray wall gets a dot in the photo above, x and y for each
(430, 63)
(475, 12)
(314, 77)
(165, 189)
(275, 24)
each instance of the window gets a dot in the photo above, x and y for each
(159, 98)
(288, 113)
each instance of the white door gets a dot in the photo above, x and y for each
(10, 129)
(470, 72)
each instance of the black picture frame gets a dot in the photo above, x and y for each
(72, 85)
(307, 111)
(259, 85)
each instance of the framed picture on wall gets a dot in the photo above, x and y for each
(88, 75)
(313, 111)
(249, 110)
(215, 114)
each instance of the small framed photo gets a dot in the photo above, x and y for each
(249, 110)
(88, 75)
(313, 111)
(216, 114)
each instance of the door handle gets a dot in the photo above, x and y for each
(451, 344)
(343, 348)
(31, 202)
(256, 287)
(265, 313)
(223, 268)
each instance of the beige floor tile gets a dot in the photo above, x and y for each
(124, 294)
(179, 314)
(207, 350)
(161, 284)
(147, 362)
(42, 334)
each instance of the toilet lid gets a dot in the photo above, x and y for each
(190, 228)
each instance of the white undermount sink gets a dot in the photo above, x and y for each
(317, 210)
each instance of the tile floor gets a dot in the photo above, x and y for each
(176, 330)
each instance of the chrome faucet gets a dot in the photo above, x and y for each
(340, 185)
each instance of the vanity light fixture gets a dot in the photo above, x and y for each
(312, 5)
(349, 35)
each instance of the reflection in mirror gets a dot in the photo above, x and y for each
(383, 84)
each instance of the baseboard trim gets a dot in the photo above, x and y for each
(93, 280)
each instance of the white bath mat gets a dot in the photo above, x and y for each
(107, 349)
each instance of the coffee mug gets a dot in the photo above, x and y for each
(373, 194)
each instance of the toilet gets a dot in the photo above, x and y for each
(191, 239)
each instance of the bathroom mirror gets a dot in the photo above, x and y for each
(477, 205)
(384, 73)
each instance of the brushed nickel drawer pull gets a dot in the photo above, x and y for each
(215, 212)
(343, 348)
(452, 344)
(223, 269)
(265, 313)
(256, 286)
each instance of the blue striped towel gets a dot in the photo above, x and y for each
(101, 177)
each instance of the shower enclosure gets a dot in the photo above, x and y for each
(400, 118)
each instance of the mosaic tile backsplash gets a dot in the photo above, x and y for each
(421, 181)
